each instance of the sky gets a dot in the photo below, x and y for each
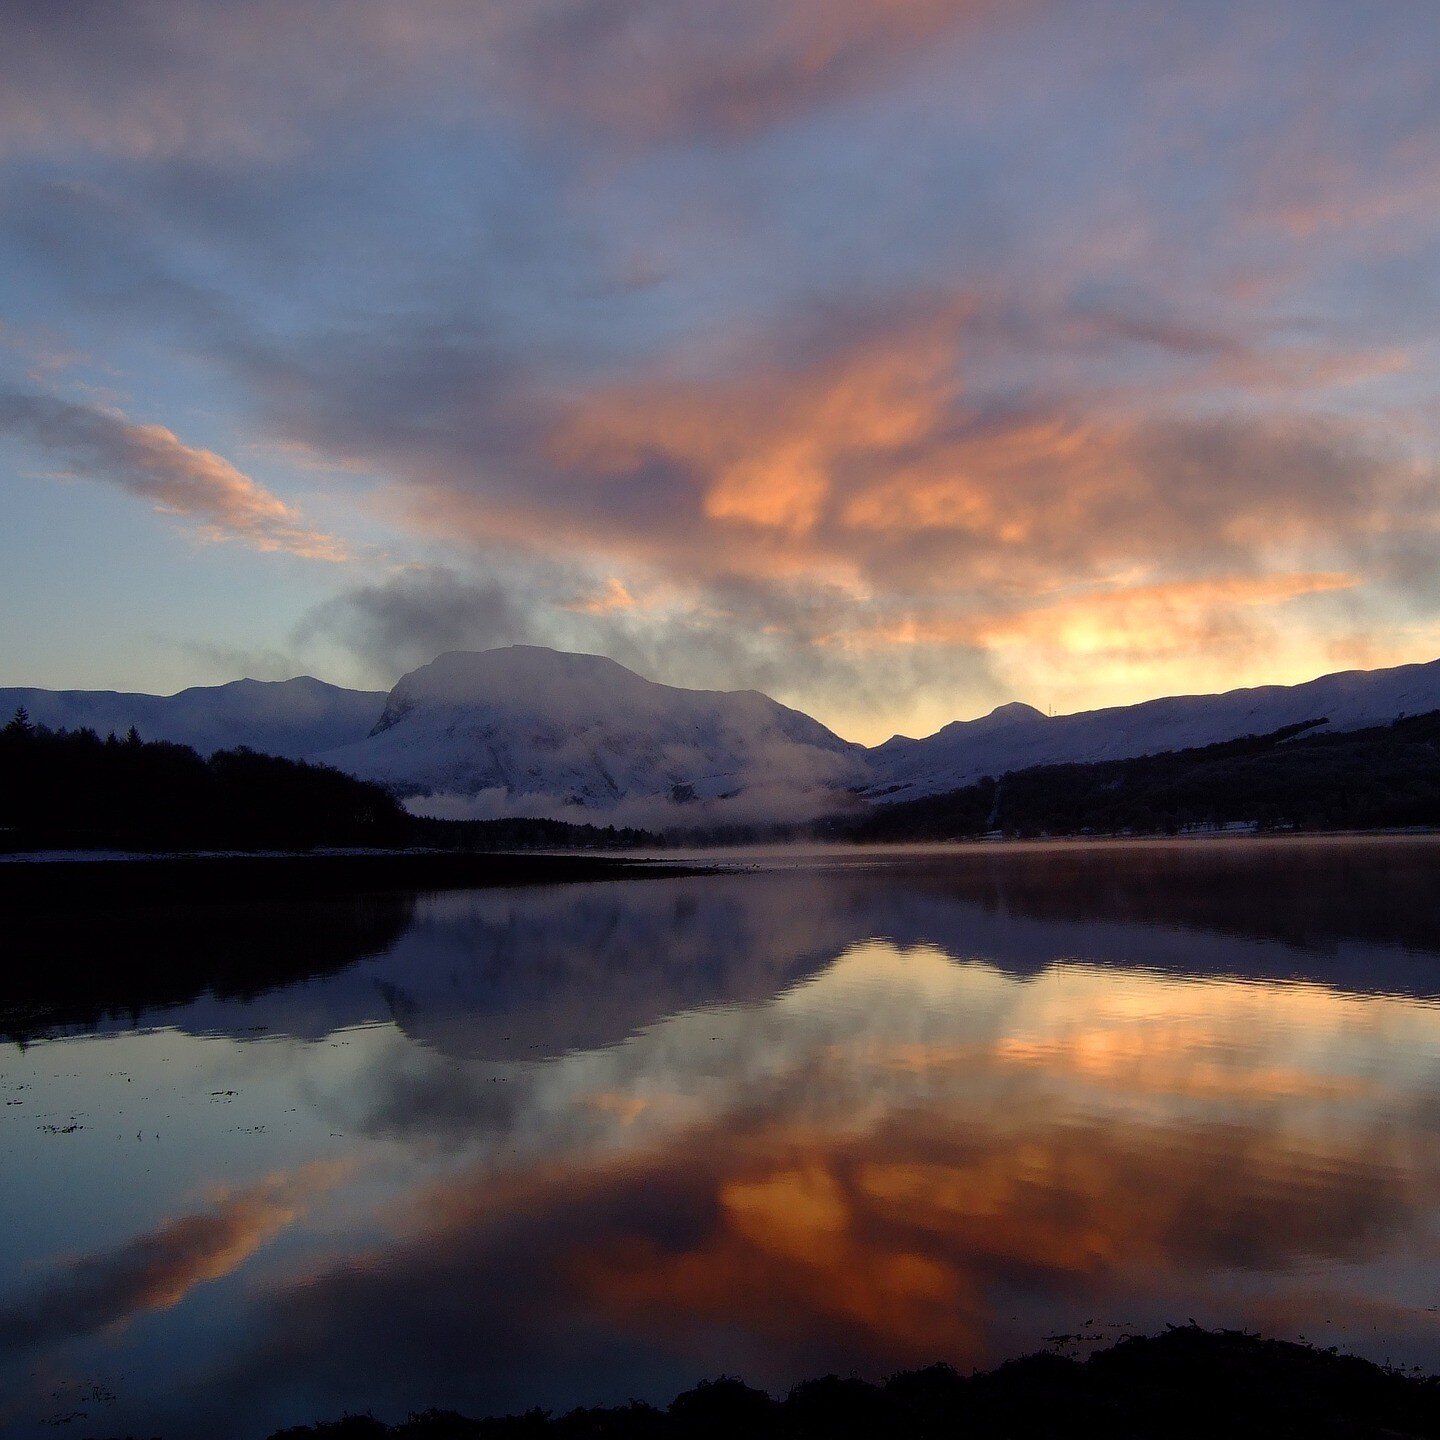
(900, 358)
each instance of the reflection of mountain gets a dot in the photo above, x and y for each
(1357, 913)
(528, 974)
(78, 967)
(524, 973)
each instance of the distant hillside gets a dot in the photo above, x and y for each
(295, 718)
(1018, 737)
(1380, 777)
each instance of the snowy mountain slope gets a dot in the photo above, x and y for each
(536, 730)
(1016, 736)
(280, 717)
(531, 731)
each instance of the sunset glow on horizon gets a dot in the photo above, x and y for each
(898, 359)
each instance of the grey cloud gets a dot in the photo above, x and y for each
(734, 633)
(253, 77)
(407, 620)
(989, 413)
(503, 435)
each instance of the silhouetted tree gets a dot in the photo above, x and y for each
(70, 788)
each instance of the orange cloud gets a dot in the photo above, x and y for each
(611, 597)
(1134, 619)
(859, 460)
(153, 463)
(862, 455)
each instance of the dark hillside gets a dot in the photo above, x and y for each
(1380, 778)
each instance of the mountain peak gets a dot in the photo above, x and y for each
(521, 659)
(1015, 710)
(515, 678)
(549, 728)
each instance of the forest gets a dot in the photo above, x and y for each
(73, 790)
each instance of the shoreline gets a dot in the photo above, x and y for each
(30, 881)
(202, 874)
(1184, 1382)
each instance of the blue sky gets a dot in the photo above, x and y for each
(897, 358)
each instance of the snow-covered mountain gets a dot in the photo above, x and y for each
(1016, 736)
(527, 730)
(280, 717)
(531, 731)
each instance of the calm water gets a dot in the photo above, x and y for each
(490, 1150)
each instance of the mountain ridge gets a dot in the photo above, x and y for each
(552, 733)
(293, 718)
(480, 733)
(966, 751)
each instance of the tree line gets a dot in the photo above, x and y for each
(73, 789)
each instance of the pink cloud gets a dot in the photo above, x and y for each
(152, 463)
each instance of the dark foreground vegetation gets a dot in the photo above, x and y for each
(1386, 777)
(1185, 1383)
(73, 790)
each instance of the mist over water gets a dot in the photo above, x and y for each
(488, 1150)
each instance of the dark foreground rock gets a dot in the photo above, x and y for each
(1186, 1382)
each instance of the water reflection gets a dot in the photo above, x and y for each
(587, 1143)
(81, 965)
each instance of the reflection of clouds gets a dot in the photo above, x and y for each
(156, 1271)
(878, 1167)
(895, 1246)
(883, 1029)
(631, 1134)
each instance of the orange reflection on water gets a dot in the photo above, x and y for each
(908, 1158)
